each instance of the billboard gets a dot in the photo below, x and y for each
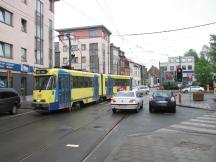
(169, 76)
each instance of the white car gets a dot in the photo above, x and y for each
(142, 88)
(193, 89)
(127, 100)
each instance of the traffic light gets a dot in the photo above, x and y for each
(179, 74)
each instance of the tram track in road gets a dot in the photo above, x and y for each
(102, 113)
(101, 140)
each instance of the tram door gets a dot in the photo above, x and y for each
(110, 84)
(96, 88)
(64, 92)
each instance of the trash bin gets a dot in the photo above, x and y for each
(198, 96)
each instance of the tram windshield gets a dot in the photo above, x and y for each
(45, 82)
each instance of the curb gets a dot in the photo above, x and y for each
(193, 107)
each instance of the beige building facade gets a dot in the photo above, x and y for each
(26, 41)
(90, 46)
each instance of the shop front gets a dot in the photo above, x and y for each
(17, 76)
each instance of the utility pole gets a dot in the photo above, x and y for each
(70, 58)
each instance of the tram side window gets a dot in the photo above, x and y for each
(51, 83)
(75, 82)
(79, 82)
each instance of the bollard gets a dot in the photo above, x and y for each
(179, 98)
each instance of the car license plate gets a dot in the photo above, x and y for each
(162, 102)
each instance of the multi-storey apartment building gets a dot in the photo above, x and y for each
(135, 73)
(114, 59)
(89, 44)
(168, 69)
(26, 41)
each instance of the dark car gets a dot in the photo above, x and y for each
(162, 100)
(9, 100)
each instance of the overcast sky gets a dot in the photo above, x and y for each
(143, 16)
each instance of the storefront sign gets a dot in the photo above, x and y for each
(16, 67)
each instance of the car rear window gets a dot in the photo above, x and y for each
(125, 94)
(162, 94)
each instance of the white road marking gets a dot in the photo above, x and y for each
(206, 118)
(198, 124)
(72, 145)
(202, 130)
(13, 116)
(203, 121)
(213, 116)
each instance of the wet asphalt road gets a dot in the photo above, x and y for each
(86, 134)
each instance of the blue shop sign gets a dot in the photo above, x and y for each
(16, 67)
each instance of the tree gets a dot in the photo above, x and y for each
(204, 53)
(203, 71)
(192, 52)
(212, 51)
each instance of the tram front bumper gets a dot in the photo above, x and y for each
(40, 106)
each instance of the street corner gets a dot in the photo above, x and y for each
(165, 145)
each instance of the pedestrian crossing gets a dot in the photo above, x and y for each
(203, 124)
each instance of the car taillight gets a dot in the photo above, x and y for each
(172, 99)
(113, 100)
(151, 99)
(133, 101)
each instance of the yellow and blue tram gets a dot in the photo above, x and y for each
(63, 88)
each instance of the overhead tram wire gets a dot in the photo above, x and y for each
(112, 23)
(168, 31)
(83, 13)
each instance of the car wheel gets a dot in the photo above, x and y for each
(186, 91)
(114, 110)
(150, 109)
(173, 110)
(13, 110)
(141, 106)
(147, 92)
(200, 91)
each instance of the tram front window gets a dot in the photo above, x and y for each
(44, 82)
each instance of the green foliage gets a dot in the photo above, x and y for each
(192, 52)
(203, 71)
(212, 51)
(170, 86)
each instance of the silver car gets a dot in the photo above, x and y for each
(193, 89)
(127, 100)
(142, 88)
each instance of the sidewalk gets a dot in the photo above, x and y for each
(165, 146)
(26, 102)
(187, 101)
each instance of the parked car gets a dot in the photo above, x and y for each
(193, 89)
(162, 100)
(142, 88)
(128, 100)
(9, 100)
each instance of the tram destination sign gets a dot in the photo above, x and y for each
(41, 71)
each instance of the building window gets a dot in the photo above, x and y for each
(83, 47)
(183, 67)
(75, 60)
(23, 25)
(50, 43)
(5, 50)
(83, 59)
(5, 16)
(171, 68)
(65, 48)
(183, 60)
(74, 47)
(39, 43)
(65, 60)
(51, 5)
(23, 54)
(177, 60)
(189, 60)
(24, 1)
(189, 67)
(93, 33)
(171, 60)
